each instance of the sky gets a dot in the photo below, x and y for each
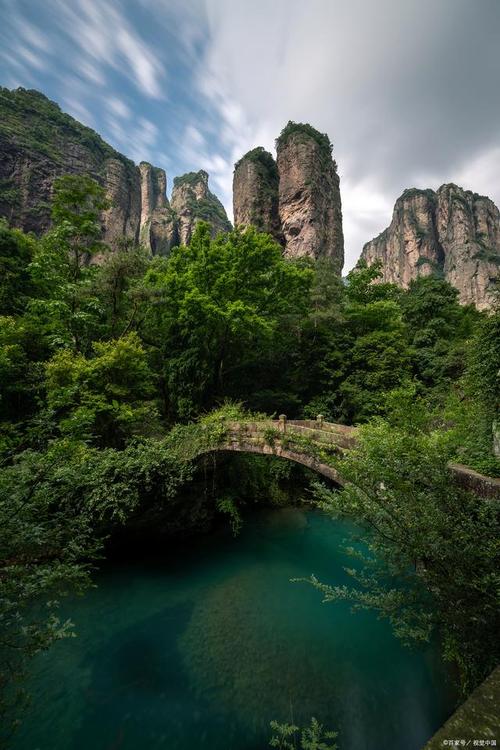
(407, 90)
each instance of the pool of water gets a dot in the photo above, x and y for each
(202, 646)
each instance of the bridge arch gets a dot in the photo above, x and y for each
(300, 441)
(290, 455)
(305, 441)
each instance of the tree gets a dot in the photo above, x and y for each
(433, 556)
(116, 286)
(16, 250)
(107, 397)
(65, 308)
(473, 405)
(378, 354)
(438, 329)
(77, 204)
(218, 305)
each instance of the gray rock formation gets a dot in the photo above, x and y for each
(158, 222)
(124, 193)
(39, 142)
(452, 231)
(309, 195)
(255, 193)
(192, 202)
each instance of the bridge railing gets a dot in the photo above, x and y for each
(319, 431)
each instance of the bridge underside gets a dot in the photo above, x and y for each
(277, 449)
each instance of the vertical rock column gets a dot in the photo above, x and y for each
(158, 231)
(255, 193)
(192, 201)
(121, 220)
(309, 195)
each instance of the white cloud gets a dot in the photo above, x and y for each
(31, 34)
(89, 72)
(366, 211)
(101, 31)
(394, 85)
(136, 138)
(481, 173)
(31, 58)
(118, 107)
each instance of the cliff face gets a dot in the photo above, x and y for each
(192, 202)
(123, 189)
(452, 231)
(309, 195)
(296, 199)
(469, 230)
(255, 193)
(158, 226)
(39, 142)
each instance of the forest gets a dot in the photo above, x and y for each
(114, 373)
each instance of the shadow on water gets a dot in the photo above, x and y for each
(203, 645)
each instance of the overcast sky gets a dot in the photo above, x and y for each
(407, 90)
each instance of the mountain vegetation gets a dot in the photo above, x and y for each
(110, 374)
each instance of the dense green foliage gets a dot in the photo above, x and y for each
(304, 131)
(38, 125)
(106, 369)
(263, 160)
(434, 559)
(218, 305)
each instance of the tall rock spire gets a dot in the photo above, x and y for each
(255, 192)
(309, 195)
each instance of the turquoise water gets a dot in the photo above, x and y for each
(202, 646)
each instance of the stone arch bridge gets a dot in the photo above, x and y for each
(311, 441)
(304, 441)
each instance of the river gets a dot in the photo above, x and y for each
(202, 645)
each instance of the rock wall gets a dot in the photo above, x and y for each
(123, 189)
(39, 142)
(452, 231)
(469, 231)
(158, 222)
(255, 193)
(309, 195)
(192, 202)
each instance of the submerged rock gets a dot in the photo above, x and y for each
(237, 656)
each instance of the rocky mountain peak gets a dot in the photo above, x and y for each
(452, 232)
(39, 142)
(158, 226)
(193, 201)
(255, 192)
(309, 194)
(296, 198)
